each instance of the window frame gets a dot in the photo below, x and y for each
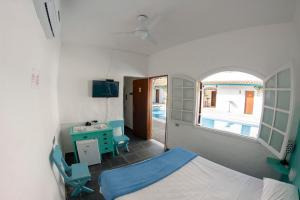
(199, 95)
(197, 107)
(286, 134)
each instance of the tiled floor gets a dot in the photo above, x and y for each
(139, 150)
(158, 130)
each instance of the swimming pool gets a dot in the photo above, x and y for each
(249, 130)
(159, 112)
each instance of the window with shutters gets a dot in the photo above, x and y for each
(238, 103)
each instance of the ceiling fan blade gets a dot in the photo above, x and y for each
(124, 33)
(154, 21)
(151, 39)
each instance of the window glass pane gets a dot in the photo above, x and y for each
(176, 115)
(276, 140)
(268, 116)
(232, 101)
(283, 99)
(265, 133)
(187, 83)
(283, 80)
(177, 93)
(270, 98)
(177, 82)
(177, 104)
(188, 93)
(271, 83)
(281, 120)
(188, 105)
(187, 116)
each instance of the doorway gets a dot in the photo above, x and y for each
(159, 94)
(213, 98)
(249, 101)
(145, 103)
(137, 106)
(128, 101)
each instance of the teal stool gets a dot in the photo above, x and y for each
(76, 175)
(120, 139)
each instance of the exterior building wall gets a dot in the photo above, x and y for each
(236, 95)
(162, 95)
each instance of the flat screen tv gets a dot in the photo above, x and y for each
(105, 89)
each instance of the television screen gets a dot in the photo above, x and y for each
(105, 89)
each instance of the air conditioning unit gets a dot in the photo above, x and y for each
(48, 12)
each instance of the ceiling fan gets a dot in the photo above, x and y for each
(142, 31)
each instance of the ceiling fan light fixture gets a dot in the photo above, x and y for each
(142, 30)
(142, 18)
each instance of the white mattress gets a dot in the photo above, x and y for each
(204, 180)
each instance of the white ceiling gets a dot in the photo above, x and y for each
(93, 21)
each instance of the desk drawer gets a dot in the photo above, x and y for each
(85, 137)
(107, 136)
(106, 142)
(106, 148)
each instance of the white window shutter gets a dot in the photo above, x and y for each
(277, 111)
(183, 99)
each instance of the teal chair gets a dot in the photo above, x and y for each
(76, 175)
(120, 139)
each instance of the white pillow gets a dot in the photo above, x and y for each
(276, 190)
(117, 131)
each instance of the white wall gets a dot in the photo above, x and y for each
(237, 95)
(259, 50)
(128, 103)
(79, 65)
(28, 115)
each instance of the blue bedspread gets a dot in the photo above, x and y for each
(124, 180)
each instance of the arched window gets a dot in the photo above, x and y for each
(239, 103)
(231, 101)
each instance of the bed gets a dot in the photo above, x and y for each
(195, 178)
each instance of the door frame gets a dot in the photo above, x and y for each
(167, 105)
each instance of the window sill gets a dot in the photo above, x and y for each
(228, 134)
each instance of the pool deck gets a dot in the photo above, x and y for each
(239, 118)
(158, 130)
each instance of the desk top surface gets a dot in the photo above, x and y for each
(92, 128)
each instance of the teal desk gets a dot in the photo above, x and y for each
(102, 132)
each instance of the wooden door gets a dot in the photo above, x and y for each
(213, 98)
(142, 108)
(249, 102)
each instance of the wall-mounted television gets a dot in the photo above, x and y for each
(108, 88)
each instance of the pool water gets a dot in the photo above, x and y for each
(159, 112)
(234, 127)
